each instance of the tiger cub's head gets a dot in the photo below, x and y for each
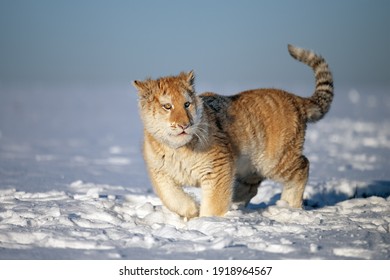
(169, 108)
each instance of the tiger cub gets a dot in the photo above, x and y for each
(227, 145)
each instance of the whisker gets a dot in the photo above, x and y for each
(201, 133)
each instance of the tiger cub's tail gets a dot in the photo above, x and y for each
(319, 103)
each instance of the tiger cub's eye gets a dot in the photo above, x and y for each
(187, 104)
(167, 106)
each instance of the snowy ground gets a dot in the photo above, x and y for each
(73, 186)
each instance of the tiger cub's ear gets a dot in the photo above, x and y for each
(189, 79)
(144, 89)
(140, 86)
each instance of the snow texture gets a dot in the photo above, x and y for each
(73, 185)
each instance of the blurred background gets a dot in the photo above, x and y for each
(68, 111)
(227, 43)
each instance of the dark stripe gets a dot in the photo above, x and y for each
(324, 83)
(317, 60)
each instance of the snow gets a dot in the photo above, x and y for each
(73, 185)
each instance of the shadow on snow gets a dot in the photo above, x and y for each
(380, 188)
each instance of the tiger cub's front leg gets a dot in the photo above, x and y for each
(217, 190)
(173, 196)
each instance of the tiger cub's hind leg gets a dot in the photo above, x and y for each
(245, 190)
(294, 182)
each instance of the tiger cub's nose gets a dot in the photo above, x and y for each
(183, 126)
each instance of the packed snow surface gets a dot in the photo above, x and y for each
(73, 185)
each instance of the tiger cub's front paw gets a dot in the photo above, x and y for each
(189, 211)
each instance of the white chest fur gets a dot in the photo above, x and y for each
(186, 166)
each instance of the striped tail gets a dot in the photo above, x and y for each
(319, 103)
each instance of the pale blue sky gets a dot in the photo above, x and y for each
(225, 42)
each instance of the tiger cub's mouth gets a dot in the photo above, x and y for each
(182, 133)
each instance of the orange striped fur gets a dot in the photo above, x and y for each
(227, 145)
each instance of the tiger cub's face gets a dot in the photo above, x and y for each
(170, 110)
